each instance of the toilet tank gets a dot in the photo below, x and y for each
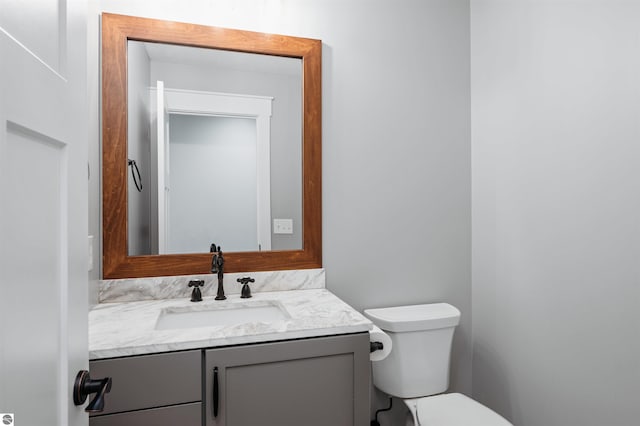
(418, 364)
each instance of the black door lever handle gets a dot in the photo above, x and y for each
(84, 386)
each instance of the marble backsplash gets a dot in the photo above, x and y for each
(157, 288)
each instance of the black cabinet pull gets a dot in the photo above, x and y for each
(215, 392)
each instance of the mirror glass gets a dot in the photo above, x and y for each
(214, 150)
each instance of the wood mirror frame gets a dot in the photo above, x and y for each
(116, 31)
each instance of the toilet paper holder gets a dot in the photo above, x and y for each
(380, 344)
(375, 346)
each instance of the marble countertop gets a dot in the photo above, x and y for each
(128, 328)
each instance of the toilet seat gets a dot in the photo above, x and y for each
(455, 409)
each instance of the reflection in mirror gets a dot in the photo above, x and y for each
(217, 137)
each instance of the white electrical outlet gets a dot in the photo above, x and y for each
(283, 226)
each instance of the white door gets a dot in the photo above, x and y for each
(43, 209)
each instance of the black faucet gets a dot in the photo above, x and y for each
(217, 267)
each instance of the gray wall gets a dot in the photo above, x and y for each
(396, 156)
(396, 142)
(556, 208)
(139, 149)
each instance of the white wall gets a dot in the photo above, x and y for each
(396, 142)
(556, 210)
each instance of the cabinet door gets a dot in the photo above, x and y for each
(320, 381)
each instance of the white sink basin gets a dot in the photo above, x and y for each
(216, 315)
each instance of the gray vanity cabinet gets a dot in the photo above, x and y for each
(319, 381)
(308, 382)
(159, 390)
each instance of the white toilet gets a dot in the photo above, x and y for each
(417, 369)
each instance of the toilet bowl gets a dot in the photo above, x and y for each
(417, 369)
(451, 409)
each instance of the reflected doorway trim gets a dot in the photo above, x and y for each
(194, 102)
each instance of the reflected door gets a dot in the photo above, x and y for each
(214, 184)
(212, 173)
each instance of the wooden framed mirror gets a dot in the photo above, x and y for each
(118, 261)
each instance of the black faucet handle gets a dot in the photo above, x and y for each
(196, 294)
(196, 283)
(246, 291)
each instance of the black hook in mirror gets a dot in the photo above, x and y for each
(134, 170)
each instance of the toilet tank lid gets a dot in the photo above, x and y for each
(414, 317)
